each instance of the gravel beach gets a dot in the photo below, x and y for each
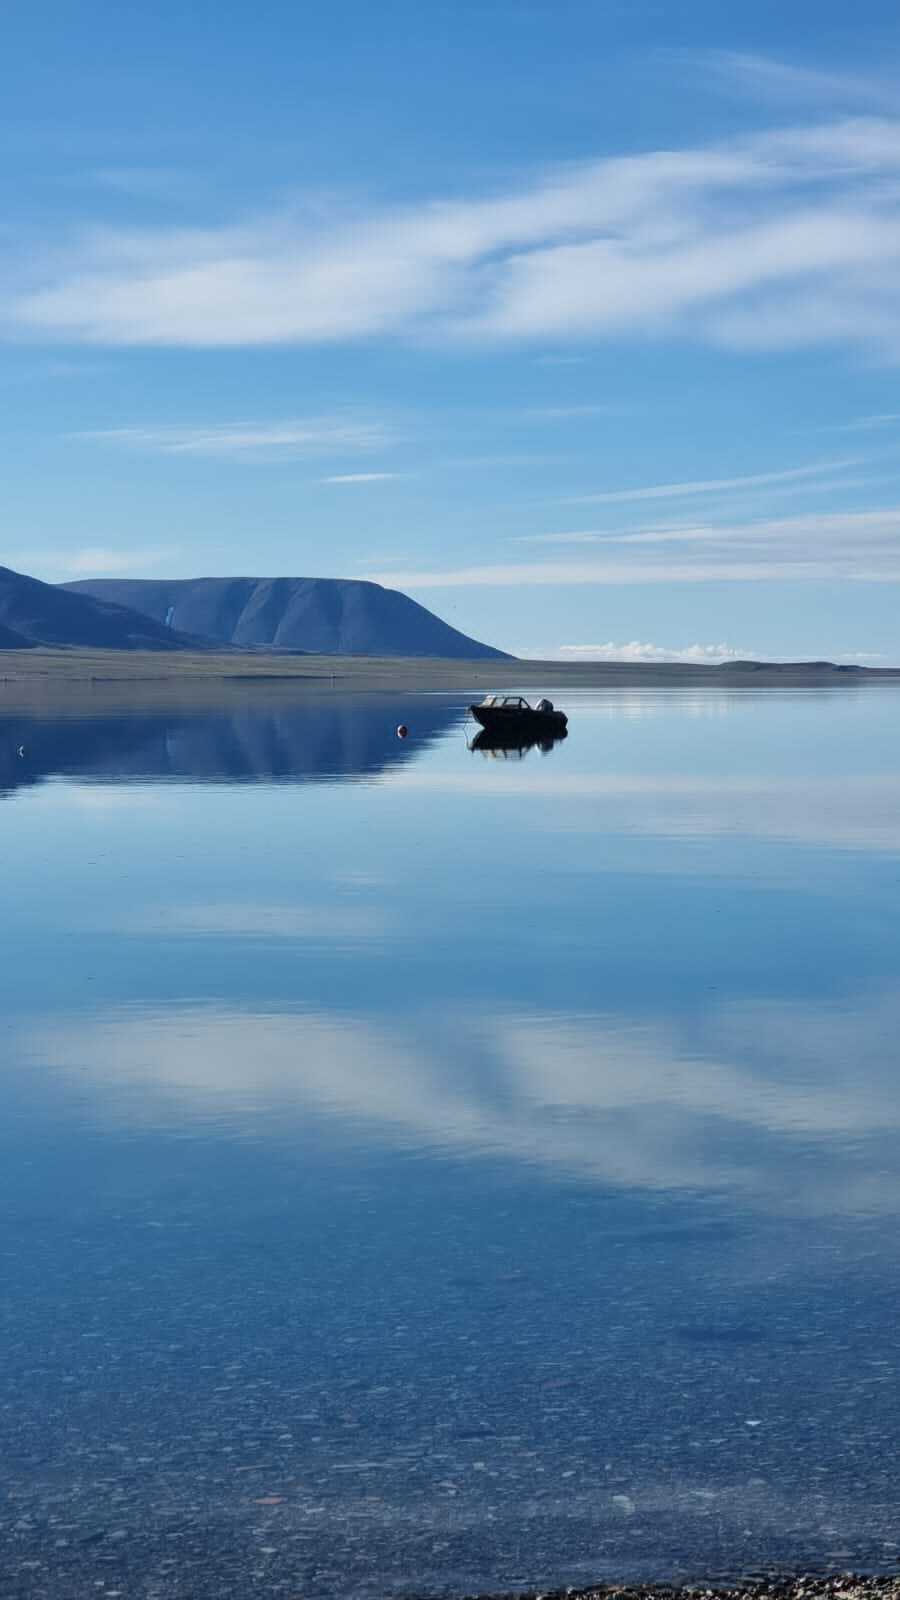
(842, 1586)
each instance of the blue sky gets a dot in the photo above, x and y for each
(580, 322)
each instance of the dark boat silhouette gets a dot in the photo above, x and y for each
(510, 715)
(505, 745)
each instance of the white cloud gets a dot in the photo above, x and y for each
(860, 546)
(882, 419)
(245, 441)
(569, 413)
(669, 491)
(766, 78)
(786, 236)
(362, 477)
(696, 654)
(95, 561)
(561, 361)
(635, 650)
(151, 182)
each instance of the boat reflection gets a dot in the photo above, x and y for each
(513, 746)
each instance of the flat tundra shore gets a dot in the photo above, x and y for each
(173, 675)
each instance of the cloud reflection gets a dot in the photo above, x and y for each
(858, 812)
(724, 1102)
(240, 920)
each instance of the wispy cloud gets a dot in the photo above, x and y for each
(570, 413)
(153, 183)
(790, 236)
(785, 83)
(54, 370)
(245, 441)
(94, 561)
(361, 477)
(860, 546)
(883, 419)
(669, 491)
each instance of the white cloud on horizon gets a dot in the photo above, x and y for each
(693, 654)
(789, 236)
(635, 650)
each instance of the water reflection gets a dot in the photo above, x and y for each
(512, 746)
(478, 1176)
(729, 1100)
(340, 738)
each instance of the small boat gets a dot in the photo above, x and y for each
(509, 714)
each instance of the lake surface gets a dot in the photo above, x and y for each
(429, 1172)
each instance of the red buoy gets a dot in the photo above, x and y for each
(402, 731)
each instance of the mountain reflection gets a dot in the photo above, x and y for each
(328, 741)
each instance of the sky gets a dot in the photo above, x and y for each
(577, 321)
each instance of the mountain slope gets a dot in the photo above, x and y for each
(10, 640)
(328, 616)
(34, 613)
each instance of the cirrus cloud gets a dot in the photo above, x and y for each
(852, 546)
(784, 237)
(252, 441)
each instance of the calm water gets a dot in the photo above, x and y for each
(424, 1172)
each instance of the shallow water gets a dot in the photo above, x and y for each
(428, 1172)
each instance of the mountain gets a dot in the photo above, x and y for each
(35, 613)
(327, 616)
(9, 640)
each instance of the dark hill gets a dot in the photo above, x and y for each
(327, 616)
(34, 613)
(9, 640)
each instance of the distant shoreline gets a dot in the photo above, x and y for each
(37, 673)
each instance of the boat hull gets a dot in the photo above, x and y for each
(506, 722)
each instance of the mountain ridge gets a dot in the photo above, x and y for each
(33, 613)
(322, 616)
